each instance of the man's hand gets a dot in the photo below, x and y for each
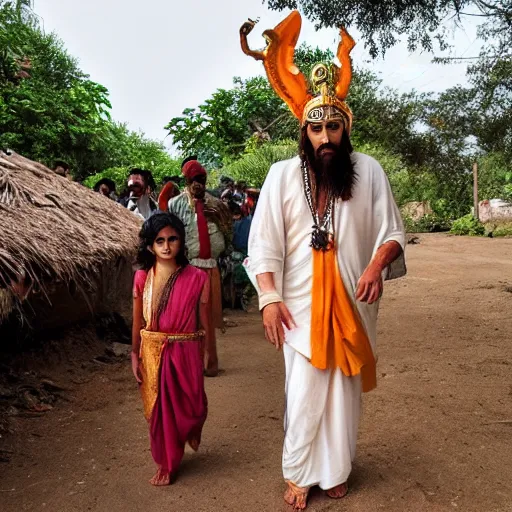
(276, 315)
(136, 367)
(370, 286)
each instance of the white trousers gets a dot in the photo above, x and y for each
(321, 421)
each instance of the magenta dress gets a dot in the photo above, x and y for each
(180, 409)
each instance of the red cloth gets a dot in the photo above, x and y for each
(168, 192)
(192, 169)
(181, 406)
(205, 249)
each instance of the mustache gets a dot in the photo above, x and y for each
(327, 145)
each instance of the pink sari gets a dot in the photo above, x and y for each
(177, 407)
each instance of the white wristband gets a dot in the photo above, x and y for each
(267, 298)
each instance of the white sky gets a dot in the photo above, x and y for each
(158, 57)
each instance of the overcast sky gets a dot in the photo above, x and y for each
(158, 57)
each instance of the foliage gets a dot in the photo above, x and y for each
(484, 110)
(133, 149)
(218, 129)
(430, 223)
(495, 177)
(468, 225)
(422, 21)
(253, 166)
(501, 229)
(49, 109)
(53, 110)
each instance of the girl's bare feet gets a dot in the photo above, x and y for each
(338, 492)
(296, 496)
(194, 444)
(161, 478)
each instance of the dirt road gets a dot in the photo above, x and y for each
(436, 434)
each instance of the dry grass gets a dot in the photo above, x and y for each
(55, 230)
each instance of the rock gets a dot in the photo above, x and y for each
(6, 392)
(120, 349)
(13, 411)
(50, 385)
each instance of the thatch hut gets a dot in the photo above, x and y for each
(66, 252)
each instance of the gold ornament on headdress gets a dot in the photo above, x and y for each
(329, 83)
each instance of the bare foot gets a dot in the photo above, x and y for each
(338, 492)
(194, 444)
(211, 372)
(296, 496)
(161, 478)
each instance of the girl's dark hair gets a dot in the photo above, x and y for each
(147, 236)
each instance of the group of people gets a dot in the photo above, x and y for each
(324, 236)
(177, 305)
(140, 197)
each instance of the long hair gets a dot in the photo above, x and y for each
(147, 236)
(340, 176)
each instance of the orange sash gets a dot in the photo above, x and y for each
(338, 337)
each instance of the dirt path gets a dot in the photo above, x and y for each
(436, 434)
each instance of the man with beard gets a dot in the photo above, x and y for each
(106, 187)
(139, 200)
(208, 230)
(324, 236)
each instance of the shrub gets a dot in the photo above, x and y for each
(468, 225)
(499, 229)
(255, 164)
(430, 223)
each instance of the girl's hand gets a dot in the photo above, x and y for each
(136, 367)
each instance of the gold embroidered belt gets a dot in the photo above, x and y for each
(151, 346)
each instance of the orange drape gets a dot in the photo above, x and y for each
(338, 337)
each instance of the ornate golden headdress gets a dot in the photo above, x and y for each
(329, 83)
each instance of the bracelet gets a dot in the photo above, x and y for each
(267, 298)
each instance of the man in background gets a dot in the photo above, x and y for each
(105, 187)
(208, 229)
(139, 200)
(62, 169)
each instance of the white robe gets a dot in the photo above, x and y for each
(322, 406)
(141, 207)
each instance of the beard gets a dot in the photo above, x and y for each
(198, 191)
(334, 169)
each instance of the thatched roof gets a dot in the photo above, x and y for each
(53, 229)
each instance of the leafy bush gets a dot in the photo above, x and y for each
(499, 229)
(430, 223)
(495, 177)
(254, 166)
(119, 174)
(51, 110)
(468, 225)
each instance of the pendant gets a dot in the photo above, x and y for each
(321, 240)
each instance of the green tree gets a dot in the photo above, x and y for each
(53, 110)
(218, 130)
(424, 22)
(133, 149)
(495, 176)
(50, 109)
(254, 165)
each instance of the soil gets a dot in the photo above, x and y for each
(436, 435)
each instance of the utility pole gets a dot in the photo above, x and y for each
(475, 190)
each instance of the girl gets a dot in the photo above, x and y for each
(170, 315)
